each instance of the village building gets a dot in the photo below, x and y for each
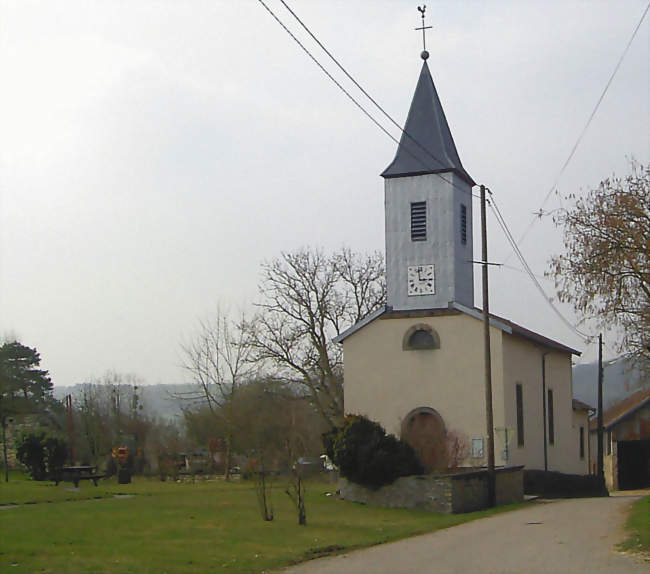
(626, 456)
(417, 365)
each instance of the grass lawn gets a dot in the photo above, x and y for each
(638, 527)
(22, 490)
(209, 526)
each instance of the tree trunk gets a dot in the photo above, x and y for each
(302, 512)
(4, 448)
(227, 457)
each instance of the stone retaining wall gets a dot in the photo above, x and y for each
(451, 493)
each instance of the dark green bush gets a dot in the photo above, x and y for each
(365, 454)
(56, 451)
(31, 452)
(42, 454)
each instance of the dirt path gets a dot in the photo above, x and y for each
(556, 537)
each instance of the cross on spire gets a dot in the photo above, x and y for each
(424, 55)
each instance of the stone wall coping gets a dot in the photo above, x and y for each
(474, 473)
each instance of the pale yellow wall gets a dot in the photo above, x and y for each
(593, 451)
(523, 364)
(581, 418)
(564, 455)
(385, 383)
(610, 468)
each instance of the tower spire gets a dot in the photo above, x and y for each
(426, 145)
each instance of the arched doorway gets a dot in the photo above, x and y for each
(424, 429)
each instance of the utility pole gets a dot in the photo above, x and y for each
(544, 426)
(488, 359)
(601, 472)
(69, 427)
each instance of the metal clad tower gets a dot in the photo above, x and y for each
(428, 210)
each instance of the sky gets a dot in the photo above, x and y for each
(154, 153)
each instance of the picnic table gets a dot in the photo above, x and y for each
(75, 474)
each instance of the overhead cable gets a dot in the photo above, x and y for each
(589, 120)
(322, 68)
(356, 103)
(361, 89)
(504, 226)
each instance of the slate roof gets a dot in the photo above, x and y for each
(537, 338)
(427, 145)
(578, 405)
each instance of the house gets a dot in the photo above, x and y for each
(417, 365)
(626, 428)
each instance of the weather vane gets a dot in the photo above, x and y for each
(424, 54)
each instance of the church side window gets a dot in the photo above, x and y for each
(519, 394)
(419, 221)
(582, 442)
(463, 224)
(551, 420)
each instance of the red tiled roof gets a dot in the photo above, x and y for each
(622, 409)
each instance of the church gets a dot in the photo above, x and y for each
(416, 366)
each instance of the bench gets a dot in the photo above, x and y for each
(75, 474)
(75, 479)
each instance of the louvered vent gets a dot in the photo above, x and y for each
(419, 221)
(463, 224)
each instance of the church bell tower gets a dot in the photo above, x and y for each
(428, 209)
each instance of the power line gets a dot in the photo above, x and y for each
(504, 226)
(589, 120)
(361, 89)
(518, 269)
(322, 68)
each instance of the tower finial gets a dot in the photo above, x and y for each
(424, 55)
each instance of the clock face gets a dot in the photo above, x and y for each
(421, 280)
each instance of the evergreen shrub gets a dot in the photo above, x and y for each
(43, 455)
(368, 456)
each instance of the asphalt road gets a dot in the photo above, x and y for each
(564, 536)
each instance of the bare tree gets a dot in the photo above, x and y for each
(218, 359)
(605, 269)
(296, 492)
(94, 427)
(108, 412)
(457, 448)
(308, 298)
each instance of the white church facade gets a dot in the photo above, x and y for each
(417, 365)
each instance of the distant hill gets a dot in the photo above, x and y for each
(619, 380)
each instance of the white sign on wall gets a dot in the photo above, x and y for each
(477, 447)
